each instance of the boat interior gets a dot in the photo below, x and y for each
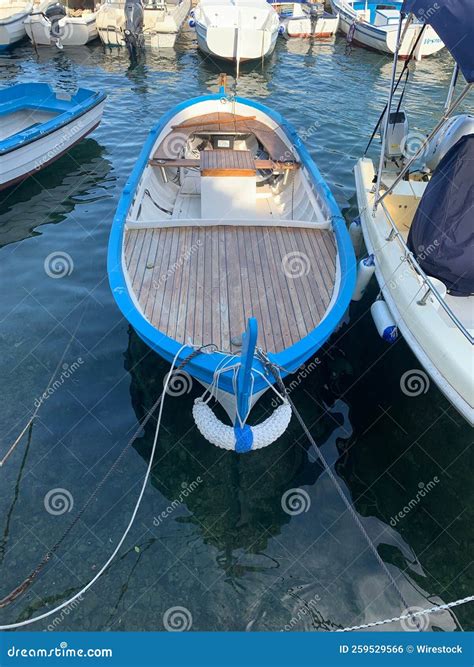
(378, 13)
(402, 205)
(24, 119)
(225, 226)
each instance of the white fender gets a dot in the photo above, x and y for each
(384, 321)
(365, 271)
(223, 436)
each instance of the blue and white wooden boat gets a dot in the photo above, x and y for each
(38, 125)
(375, 26)
(227, 240)
(12, 21)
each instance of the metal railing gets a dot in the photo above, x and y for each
(426, 282)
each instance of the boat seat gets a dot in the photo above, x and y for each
(227, 163)
(265, 165)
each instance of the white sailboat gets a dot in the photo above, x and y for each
(12, 17)
(374, 25)
(54, 23)
(416, 219)
(236, 30)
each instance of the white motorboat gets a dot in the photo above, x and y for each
(305, 19)
(54, 23)
(375, 25)
(154, 23)
(12, 17)
(236, 30)
(416, 218)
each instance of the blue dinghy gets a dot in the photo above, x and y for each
(227, 241)
(38, 125)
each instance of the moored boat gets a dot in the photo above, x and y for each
(228, 244)
(236, 30)
(154, 23)
(52, 23)
(374, 25)
(416, 218)
(12, 17)
(305, 19)
(39, 125)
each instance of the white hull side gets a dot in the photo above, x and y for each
(384, 39)
(74, 31)
(12, 29)
(29, 159)
(230, 43)
(159, 31)
(302, 26)
(441, 348)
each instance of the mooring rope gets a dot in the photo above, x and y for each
(275, 372)
(414, 614)
(47, 557)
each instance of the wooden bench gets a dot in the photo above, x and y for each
(224, 162)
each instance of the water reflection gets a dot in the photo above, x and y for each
(51, 195)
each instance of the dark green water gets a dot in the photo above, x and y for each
(227, 551)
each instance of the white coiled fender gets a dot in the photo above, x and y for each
(223, 436)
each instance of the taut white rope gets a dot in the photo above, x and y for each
(422, 612)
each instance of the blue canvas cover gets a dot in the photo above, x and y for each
(442, 232)
(453, 20)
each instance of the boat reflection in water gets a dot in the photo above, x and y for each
(74, 175)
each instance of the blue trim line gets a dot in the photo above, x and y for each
(41, 97)
(202, 367)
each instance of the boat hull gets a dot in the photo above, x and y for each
(160, 29)
(383, 39)
(230, 43)
(440, 347)
(323, 27)
(72, 31)
(12, 28)
(26, 155)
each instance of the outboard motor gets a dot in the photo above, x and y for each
(133, 25)
(54, 13)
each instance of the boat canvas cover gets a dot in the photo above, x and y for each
(453, 20)
(442, 233)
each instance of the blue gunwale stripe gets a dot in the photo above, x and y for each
(203, 366)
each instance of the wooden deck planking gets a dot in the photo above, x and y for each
(203, 283)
